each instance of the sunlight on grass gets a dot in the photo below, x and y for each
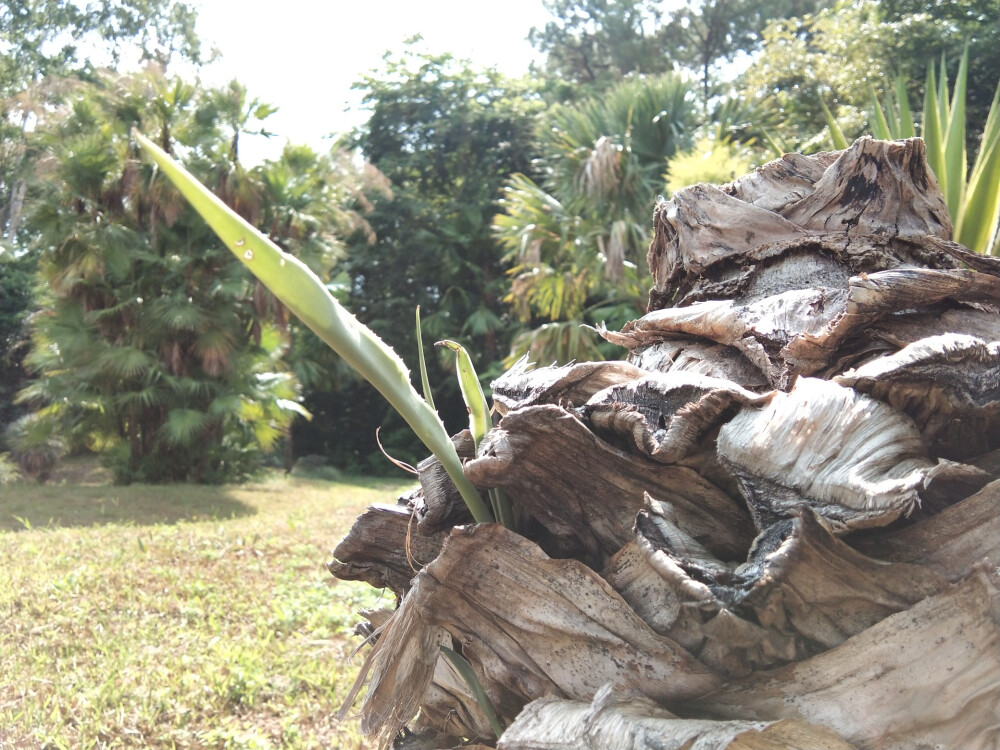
(178, 616)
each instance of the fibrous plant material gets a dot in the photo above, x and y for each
(630, 724)
(790, 491)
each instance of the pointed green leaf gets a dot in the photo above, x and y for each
(306, 296)
(980, 215)
(879, 124)
(954, 147)
(932, 133)
(465, 670)
(472, 392)
(907, 128)
(839, 140)
(424, 382)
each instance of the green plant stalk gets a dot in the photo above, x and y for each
(468, 674)
(479, 420)
(298, 288)
(424, 381)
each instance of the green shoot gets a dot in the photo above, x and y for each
(299, 289)
(465, 670)
(424, 382)
(479, 421)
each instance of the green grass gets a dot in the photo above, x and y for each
(177, 616)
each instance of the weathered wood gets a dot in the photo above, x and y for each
(485, 590)
(522, 386)
(852, 459)
(803, 330)
(440, 506)
(876, 188)
(949, 543)
(769, 558)
(588, 506)
(782, 182)
(948, 384)
(383, 550)
(604, 723)
(666, 416)
(923, 678)
(687, 354)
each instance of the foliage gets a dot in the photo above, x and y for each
(305, 295)
(46, 42)
(16, 282)
(709, 161)
(834, 57)
(576, 240)
(178, 616)
(597, 42)
(707, 34)
(152, 345)
(973, 197)
(446, 135)
(9, 472)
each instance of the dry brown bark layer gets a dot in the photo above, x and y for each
(776, 526)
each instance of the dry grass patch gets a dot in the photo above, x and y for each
(177, 616)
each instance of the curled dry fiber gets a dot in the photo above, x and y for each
(777, 525)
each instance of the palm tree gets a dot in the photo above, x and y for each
(575, 241)
(152, 344)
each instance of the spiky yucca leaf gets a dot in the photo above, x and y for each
(973, 197)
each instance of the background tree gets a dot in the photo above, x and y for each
(706, 34)
(577, 236)
(153, 345)
(596, 42)
(840, 54)
(47, 46)
(446, 136)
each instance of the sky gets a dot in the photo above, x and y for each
(303, 55)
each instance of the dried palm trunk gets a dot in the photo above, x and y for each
(776, 526)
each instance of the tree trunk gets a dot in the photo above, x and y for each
(776, 526)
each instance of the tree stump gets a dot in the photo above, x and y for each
(777, 525)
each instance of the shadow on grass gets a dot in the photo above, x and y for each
(26, 506)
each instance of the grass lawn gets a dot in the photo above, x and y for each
(178, 616)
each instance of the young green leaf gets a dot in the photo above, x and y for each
(468, 674)
(479, 422)
(954, 142)
(472, 392)
(836, 134)
(292, 282)
(424, 382)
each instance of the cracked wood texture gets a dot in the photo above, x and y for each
(775, 526)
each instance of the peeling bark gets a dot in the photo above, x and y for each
(949, 543)
(948, 384)
(520, 386)
(923, 678)
(379, 550)
(554, 724)
(666, 417)
(587, 507)
(854, 460)
(486, 587)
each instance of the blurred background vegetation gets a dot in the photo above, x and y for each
(513, 212)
